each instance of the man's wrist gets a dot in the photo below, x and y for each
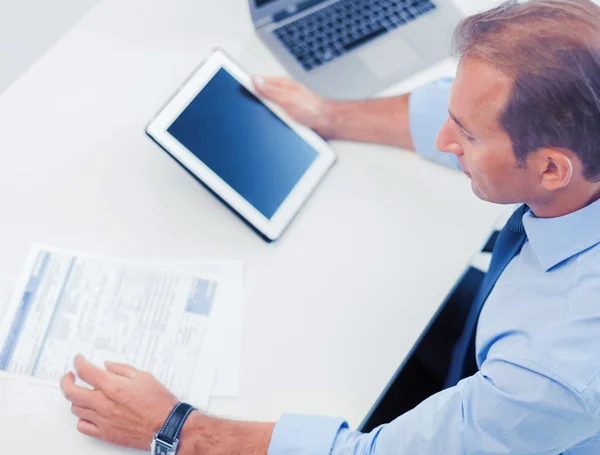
(189, 434)
(326, 127)
(380, 120)
(206, 435)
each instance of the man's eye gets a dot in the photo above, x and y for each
(464, 134)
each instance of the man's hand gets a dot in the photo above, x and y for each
(300, 103)
(381, 121)
(127, 406)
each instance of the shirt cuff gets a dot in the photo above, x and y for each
(428, 111)
(296, 434)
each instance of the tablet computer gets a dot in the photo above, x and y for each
(247, 151)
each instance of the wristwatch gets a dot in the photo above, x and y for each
(165, 442)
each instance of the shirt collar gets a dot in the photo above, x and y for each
(554, 240)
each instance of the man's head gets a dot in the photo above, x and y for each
(525, 106)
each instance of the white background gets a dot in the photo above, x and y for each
(28, 28)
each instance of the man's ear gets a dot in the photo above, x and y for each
(555, 168)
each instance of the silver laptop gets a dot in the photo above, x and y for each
(355, 48)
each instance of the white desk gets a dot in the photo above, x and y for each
(333, 307)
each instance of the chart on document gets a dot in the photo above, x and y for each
(158, 321)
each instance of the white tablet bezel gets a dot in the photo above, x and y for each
(157, 130)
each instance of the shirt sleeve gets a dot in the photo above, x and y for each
(428, 111)
(510, 406)
(304, 434)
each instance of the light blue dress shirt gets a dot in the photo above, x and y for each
(538, 349)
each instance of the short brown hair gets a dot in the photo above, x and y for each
(551, 50)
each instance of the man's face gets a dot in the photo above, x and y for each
(474, 134)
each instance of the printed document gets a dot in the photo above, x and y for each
(169, 323)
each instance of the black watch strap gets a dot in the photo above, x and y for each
(172, 427)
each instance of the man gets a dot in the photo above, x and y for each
(524, 126)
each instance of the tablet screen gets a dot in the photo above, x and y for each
(243, 142)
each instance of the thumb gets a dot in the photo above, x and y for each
(261, 85)
(121, 369)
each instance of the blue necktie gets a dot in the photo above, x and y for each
(509, 243)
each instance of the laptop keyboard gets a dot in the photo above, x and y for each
(330, 32)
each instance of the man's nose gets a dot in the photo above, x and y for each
(446, 141)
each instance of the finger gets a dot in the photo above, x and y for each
(121, 369)
(84, 413)
(88, 428)
(94, 376)
(273, 82)
(75, 394)
(270, 87)
(277, 96)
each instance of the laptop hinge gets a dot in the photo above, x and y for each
(299, 7)
(262, 22)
